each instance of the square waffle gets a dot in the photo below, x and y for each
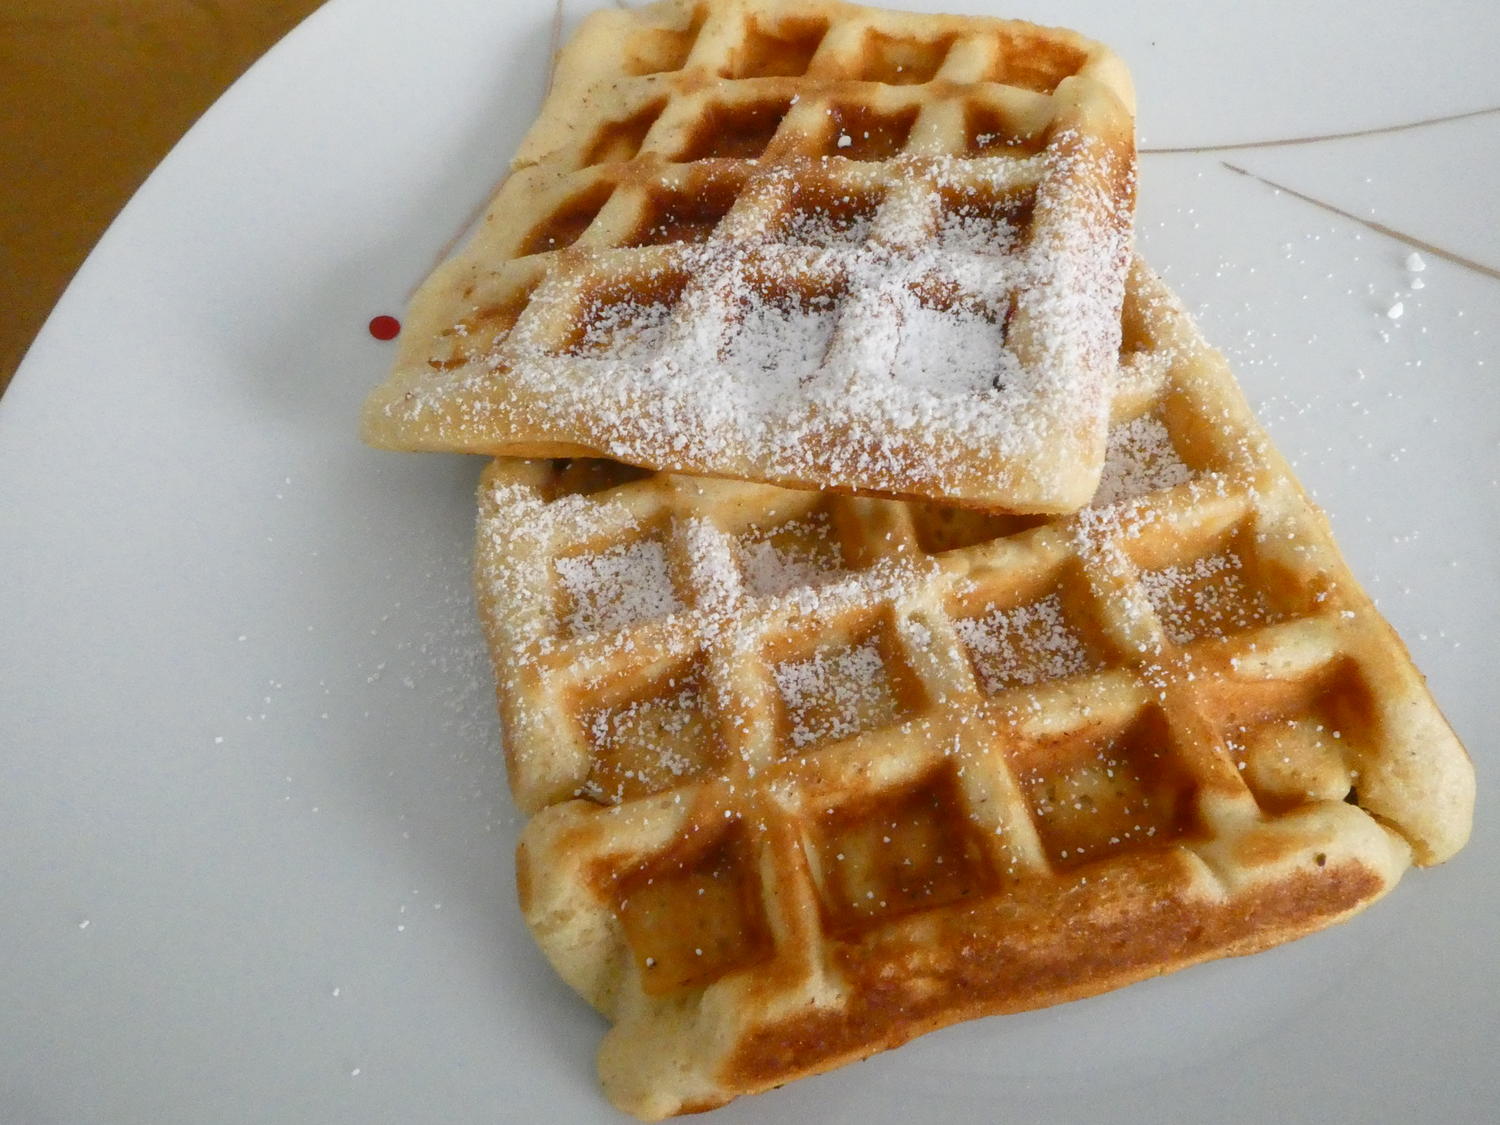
(813, 774)
(816, 245)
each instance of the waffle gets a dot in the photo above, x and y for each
(815, 245)
(813, 774)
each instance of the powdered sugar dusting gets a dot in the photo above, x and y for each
(1207, 596)
(672, 715)
(977, 232)
(926, 344)
(1100, 772)
(825, 229)
(645, 745)
(1140, 458)
(715, 577)
(631, 332)
(1028, 644)
(801, 553)
(618, 588)
(776, 346)
(611, 593)
(835, 694)
(952, 353)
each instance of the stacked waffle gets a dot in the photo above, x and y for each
(825, 247)
(941, 635)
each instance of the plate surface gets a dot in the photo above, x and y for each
(256, 836)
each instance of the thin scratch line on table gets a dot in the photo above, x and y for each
(1287, 141)
(1370, 224)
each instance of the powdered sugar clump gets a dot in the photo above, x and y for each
(952, 353)
(714, 575)
(801, 333)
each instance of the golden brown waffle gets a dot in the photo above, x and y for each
(814, 774)
(811, 244)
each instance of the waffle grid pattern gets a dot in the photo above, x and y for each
(888, 175)
(903, 748)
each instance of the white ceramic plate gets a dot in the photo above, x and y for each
(254, 838)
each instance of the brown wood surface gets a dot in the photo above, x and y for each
(93, 94)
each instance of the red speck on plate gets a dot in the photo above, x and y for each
(385, 327)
